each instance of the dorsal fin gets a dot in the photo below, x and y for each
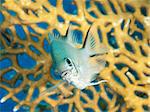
(92, 43)
(86, 37)
(53, 36)
(72, 38)
(67, 32)
(50, 37)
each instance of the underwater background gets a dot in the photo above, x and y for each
(25, 60)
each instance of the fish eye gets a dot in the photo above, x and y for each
(68, 61)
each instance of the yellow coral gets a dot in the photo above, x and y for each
(128, 61)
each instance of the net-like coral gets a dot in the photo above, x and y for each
(25, 61)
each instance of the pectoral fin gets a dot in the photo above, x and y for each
(52, 88)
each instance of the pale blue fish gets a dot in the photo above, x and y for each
(78, 67)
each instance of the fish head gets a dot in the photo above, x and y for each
(62, 54)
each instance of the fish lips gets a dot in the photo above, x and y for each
(73, 79)
(64, 73)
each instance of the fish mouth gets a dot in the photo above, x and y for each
(64, 73)
(69, 75)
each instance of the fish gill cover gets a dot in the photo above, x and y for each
(25, 60)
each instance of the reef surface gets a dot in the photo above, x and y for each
(25, 61)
